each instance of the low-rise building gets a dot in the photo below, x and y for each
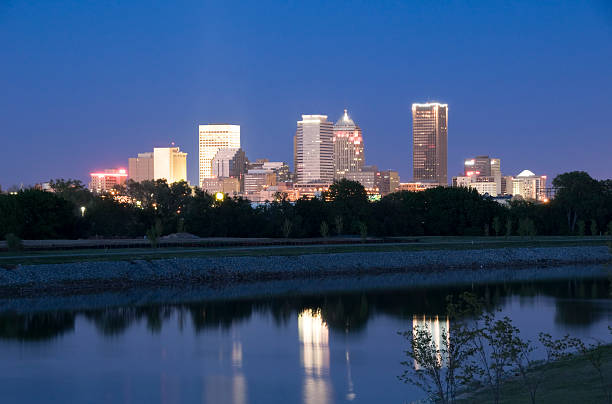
(105, 181)
(417, 186)
(529, 186)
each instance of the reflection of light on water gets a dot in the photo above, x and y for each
(224, 389)
(350, 395)
(237, 354)
(314, 336)
(314, 355)
(438, 331)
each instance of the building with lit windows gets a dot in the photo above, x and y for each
(529, 186)
(388, 182)
(314, 150)
(169, 164)
(105, 181)
(211, 139)
(348, 147)
(416, 186)
(141, 168)
(230, 162)
(430, 143)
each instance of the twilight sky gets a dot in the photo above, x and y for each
(86, 84)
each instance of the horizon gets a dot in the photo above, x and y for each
(88, 86)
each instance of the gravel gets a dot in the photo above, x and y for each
(223, 271)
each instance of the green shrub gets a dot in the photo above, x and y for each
(13, 242)
(581, 227)
(154, 233)
(324, 230)
(363, 231)
(287, 228)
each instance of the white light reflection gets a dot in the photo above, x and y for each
(438, 329)
(314, 355)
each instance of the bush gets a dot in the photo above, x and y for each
(154, 233)
(13, 242)
(286, 228)
(526, 227)
(363, 231)
(324, 230)
(581, 227)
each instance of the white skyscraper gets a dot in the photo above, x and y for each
(211, 139)
(314, 150)
(169, 163)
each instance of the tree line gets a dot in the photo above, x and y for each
(582, 206)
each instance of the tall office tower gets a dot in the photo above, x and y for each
(430, 142)
(348, 147)
(169, 163)
(230, 162)
(141, 168)
(479, 165)
(211, 139)
(314, 150)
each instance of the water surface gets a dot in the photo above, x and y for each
(320, 348)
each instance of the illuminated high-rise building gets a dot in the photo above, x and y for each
(314, 150)
(141, 168)
(430, 142)
(212, 138)
(169, 164)
(348, 147)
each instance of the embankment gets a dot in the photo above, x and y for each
(220, 272)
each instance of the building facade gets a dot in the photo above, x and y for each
(230, 162)
(105, 181)
(226, 185)
(257, 180)
(169, 163)
(529, 186)
(211, 139)
(141, 168)
(348, 147)
(388, 182)
(314, 150)
(430, 143)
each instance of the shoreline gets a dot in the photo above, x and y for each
(193, 293)
(218, 273)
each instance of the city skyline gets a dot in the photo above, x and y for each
(101, 88)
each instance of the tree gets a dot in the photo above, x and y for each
(578, 194)
(497, 225)
(438, 365)
(594, 229)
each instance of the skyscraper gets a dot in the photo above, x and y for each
(230, 162)
(429, 142)
(348, 147)
(141, 168)
(211, 139)
(169, 163)
(314, 150)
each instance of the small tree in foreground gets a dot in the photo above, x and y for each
(437, 365)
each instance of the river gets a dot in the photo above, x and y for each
(326, 347)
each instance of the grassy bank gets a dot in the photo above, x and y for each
(10, 259)
(569, 381)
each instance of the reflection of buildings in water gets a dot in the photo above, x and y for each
(225, 389)
(350, 395)
(314, 356)
(438, 329)
(230, 387)
(237, 354)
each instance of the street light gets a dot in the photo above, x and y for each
(219, 196)
(82, 211)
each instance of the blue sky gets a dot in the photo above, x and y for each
(87, 84)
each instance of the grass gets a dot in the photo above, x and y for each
(10, 259)
(569, 381)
